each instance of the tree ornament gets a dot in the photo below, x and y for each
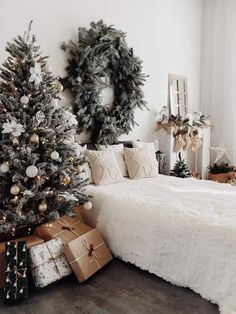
(102, 51)
(15, 141)
(88, 205)
(36, 75)
(78, 169)
(24, 100)
(43, 207)
(66, 180)
(32, 171)
(15, 190)
(59, 86)
(13, 128)
(54, 102)
(34, 138)
(4, 167)
(54, 155)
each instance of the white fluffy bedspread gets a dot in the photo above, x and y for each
(182, 230)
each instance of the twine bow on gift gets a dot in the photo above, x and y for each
(90, 250)
(68, 228)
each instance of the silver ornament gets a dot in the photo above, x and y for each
(32, 171)
(4, 167)
(88, 205)
(24, 100)
(54, 155)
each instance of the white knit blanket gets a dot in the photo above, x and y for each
(182, 230)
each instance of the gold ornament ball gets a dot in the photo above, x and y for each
(34, 138)
(59, 86)
(88, 205)
(78, 169)
(15, 189)
(66, 180)
(42, 207)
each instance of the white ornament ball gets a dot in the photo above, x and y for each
(54, 155)
(4, 167)
(79, 169)
(15, 189)
(42, 207)
(88, 205)
(32, 171)
(54, 102)
(24, 100)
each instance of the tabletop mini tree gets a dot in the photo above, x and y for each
(40, 163)
(181, 169)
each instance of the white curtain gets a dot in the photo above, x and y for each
(218, 83)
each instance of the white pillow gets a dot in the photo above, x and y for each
(118, 149)
(139, 144)
(104, 166)
(141, 162)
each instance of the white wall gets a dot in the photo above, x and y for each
(166, 34)
(218, 91)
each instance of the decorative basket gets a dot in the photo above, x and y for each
(222, 177)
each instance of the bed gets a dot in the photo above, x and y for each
(182, 230)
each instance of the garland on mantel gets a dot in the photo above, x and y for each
(101, 58)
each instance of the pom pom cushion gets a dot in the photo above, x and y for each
(118, 149)
(141, 162)
(104, 166)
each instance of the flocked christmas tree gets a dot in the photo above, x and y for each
(40, 164)
(181, 169)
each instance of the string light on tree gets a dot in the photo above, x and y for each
(42, 207)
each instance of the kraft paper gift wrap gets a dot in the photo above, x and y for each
(87, 254)
(66, 228)
(16, 282)
(48, 263)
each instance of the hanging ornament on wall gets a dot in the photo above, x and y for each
(24, 100)
(15, 190)
(32, 171)
(43, 207)
(88, 205)
(34, 138)
(54, 155)
(4, 167)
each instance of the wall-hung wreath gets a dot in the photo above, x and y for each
(100, 55)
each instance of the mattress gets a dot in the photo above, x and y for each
(183, 230)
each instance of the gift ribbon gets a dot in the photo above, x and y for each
(52, 258)
(68, 228)
(90, 251)
(16, 270)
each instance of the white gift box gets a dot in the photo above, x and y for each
(48, 263)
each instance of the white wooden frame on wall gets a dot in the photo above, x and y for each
(178, 94)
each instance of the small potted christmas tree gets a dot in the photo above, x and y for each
(181, 169)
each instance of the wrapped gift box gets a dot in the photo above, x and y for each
(66, 228)
(87, 254)
(30, 242)
(48, 263)
(16, 283)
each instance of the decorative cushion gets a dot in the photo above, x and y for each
(141, 162)
(118, 149)
(104, 166)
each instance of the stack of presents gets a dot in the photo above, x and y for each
(54, 251)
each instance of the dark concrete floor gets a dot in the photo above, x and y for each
(119, 288)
